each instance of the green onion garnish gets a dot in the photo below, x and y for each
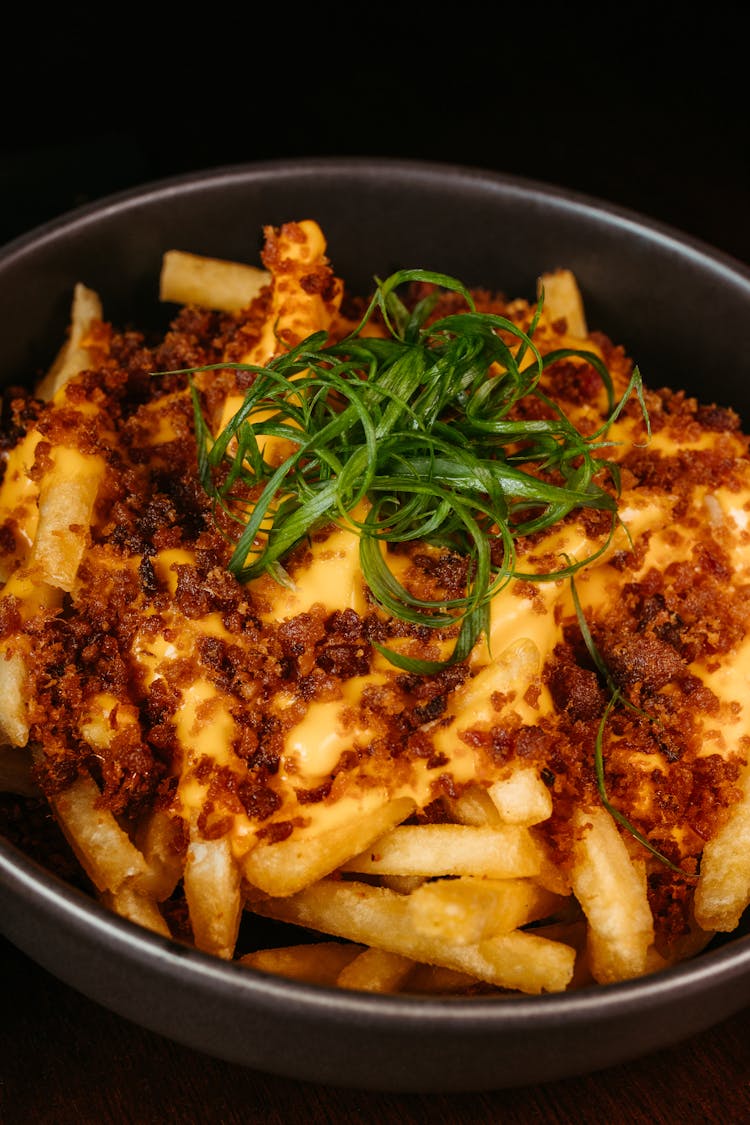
(411, 437)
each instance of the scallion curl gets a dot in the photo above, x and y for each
(420, 425)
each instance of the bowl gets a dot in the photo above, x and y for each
(678, 306)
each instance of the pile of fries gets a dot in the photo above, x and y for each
(448, 879)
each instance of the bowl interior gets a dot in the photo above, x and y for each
(678, 308)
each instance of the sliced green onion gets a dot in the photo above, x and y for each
(420, 425)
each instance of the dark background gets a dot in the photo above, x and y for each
(646, 108)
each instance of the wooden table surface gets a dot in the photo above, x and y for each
(65, 1060)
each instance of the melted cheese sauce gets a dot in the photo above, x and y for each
(523, 633)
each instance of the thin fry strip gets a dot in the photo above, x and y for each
(212, 881)
(380, 918)
(286, 867)
(612, 892)
(213, 283)
(723, 891)
(375, 970)
(503, 852)
(319, 962)
(104, 849)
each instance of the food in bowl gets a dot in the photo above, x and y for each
(411, 619)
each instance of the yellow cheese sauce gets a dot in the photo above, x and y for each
(524, 631)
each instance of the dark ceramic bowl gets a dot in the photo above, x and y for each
(681, 310)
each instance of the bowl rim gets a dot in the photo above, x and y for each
(540, 190)
(82, 916)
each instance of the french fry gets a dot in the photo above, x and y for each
(105, 717)
(723, 890)
(612, 892)
(572, 933)
(402, 884)
(375, 970)
(19, 491)
(213, 283)
(136, 907)
(66, 502)
(474, 806)
(521, 797)
(286, 867)
(318, 962)
(74, 356)
(297, 307)
(563, 300)
(504, 852)
(465, 910)
(29, 597)
(377, 917)
(513, 670)
(156, 839)
(104, 849)
(212, 881)
(529, 963)
(552, 875)
(14, 719)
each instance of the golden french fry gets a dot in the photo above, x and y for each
(375, 970)
(529, 963)
(573, 933)
(563, 300)
(521, 797)
(297, 309)
(66, 503)
(212, 880)
(136, 907)
(513, 670)
(103, 719)
(74, 356)
(466, 910)
(402, 884)
(14, 720)
(552, 875)
(289, 865)
(723, 890)
(212, 283)
(104, 850)
(377, 917)
(318, 962)
(28, 596)
(611, 890)
(503, 852)
(474, 806)
(157, 840)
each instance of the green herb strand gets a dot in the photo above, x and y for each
(419, 424)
